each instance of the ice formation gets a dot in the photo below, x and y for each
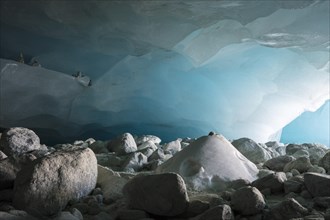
(169, 68)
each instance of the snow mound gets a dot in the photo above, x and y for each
(210, 161)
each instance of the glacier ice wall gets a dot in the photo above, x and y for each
(168, 68)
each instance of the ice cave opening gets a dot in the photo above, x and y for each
(257, 69)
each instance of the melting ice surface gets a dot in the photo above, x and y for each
(173, 69)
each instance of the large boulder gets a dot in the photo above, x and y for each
(123, 144)
(44, 186)
(248, 201)
(213, 157)
(160, 194)
(17, 141)
(278, 163)
(317, 184)
(251, 150)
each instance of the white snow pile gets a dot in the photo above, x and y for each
(210, 162)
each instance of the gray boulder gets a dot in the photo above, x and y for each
(157, 155)
(316, 152)
(221, 212)
(317, 184)
(8, 171)
(44, 186)
(172, 147)
(135, 161)
(247, 201)
(293, 185)
(2, 155)
(111, 183)
(274, 182)
(145, 138)
(302, 164)
(292, 148)
(278, 163)
(325, 162)
(17, 141)
(161, 194)
(251, 150)
(286, 210)
(123, 144)
(147, 144)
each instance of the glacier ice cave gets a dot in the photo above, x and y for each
(257, 69)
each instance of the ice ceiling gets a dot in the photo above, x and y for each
(170, 68)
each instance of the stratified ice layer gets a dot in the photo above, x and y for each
(243, 69)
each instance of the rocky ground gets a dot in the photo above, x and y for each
(131, 178)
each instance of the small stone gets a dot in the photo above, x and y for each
(292, 186)
(274, 182)
(172, 147)
(302, 164)
(248, 201)
(278, 163)
(135, 161)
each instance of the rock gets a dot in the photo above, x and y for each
(302, 164)
(264, 172)
(325, 162)
(2, 155)
(129, 214)
(316, 152)
(16, 215)
(157, 155)
(109, 160)
(123, 144)
(295, 172)
(135, 161)
(274, 182)
(147, 144)
(286, 210)
(172, 147)
(323, 202)
(278, 163)
(195, 207)
(147, 152)
(145, 138)
(8, 172)
(301, 153)
(250, 149)
(160, 194)
(247, 201)
(316, 169)
(17, 141)
(6, 195)
(111, 183)
(221, 212)
(46, 185)
(239, 183)
(317, 184)
(99, 147)
(292, 186)
(292, 148)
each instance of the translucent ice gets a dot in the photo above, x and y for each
(241, 68)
